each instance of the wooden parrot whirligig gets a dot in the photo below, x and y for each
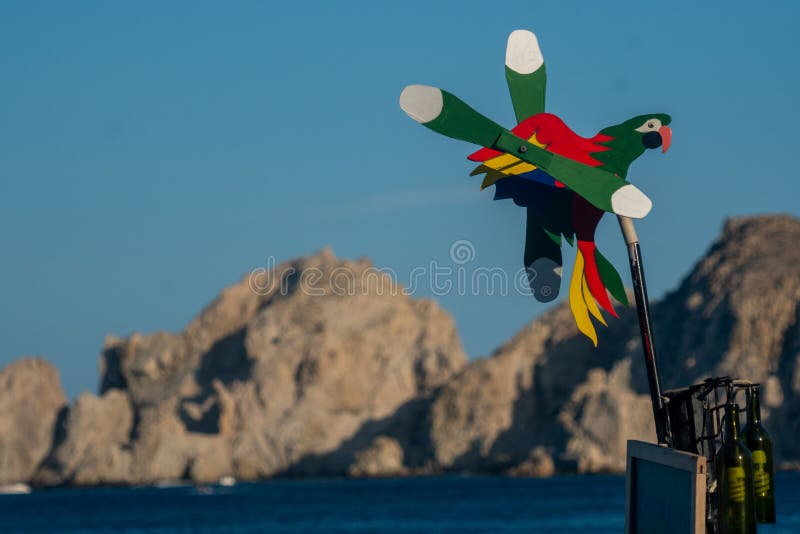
(565, 181)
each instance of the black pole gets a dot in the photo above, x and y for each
(660, 414)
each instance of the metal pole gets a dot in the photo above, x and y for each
(660, 414)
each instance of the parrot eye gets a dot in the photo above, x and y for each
(651, 125)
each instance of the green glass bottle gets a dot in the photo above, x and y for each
(757, 440)
(734, 473)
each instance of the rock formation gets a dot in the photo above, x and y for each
(384, 457)
(279, 374)
(737, 313)
(546, 396)
(31, 402)
(90, 446)
(325, 367)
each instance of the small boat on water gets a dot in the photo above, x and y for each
(15, 489)
(166, 484)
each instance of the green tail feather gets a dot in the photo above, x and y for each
(611, 279)
(555, 237)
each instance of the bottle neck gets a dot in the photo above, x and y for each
(754, 408)
(731, 423)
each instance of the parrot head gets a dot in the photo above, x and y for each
(652, 130)
(631, 138)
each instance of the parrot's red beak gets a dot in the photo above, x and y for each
(666, 137)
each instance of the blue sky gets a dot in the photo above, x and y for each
(153, 153)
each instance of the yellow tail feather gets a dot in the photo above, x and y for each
(580, 311)
(499, 167)
(591, 303)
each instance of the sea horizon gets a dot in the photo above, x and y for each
(444, 503)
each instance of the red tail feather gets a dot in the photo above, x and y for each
(593, 280)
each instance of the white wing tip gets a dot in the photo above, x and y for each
(422, 103)
(629, 201)
(522, 52)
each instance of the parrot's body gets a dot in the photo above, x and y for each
(556, 210)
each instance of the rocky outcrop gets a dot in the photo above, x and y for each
(31, 403)
(383, 458)
(325, 367)
(282, 373)
(737, 313)
(538, 464)
(545, 398)
(90, 445)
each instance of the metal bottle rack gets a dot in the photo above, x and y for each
(696, 423)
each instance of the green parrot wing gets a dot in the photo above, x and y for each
(526, 74)
(446, 114)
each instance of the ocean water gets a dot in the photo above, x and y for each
(585, 504)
